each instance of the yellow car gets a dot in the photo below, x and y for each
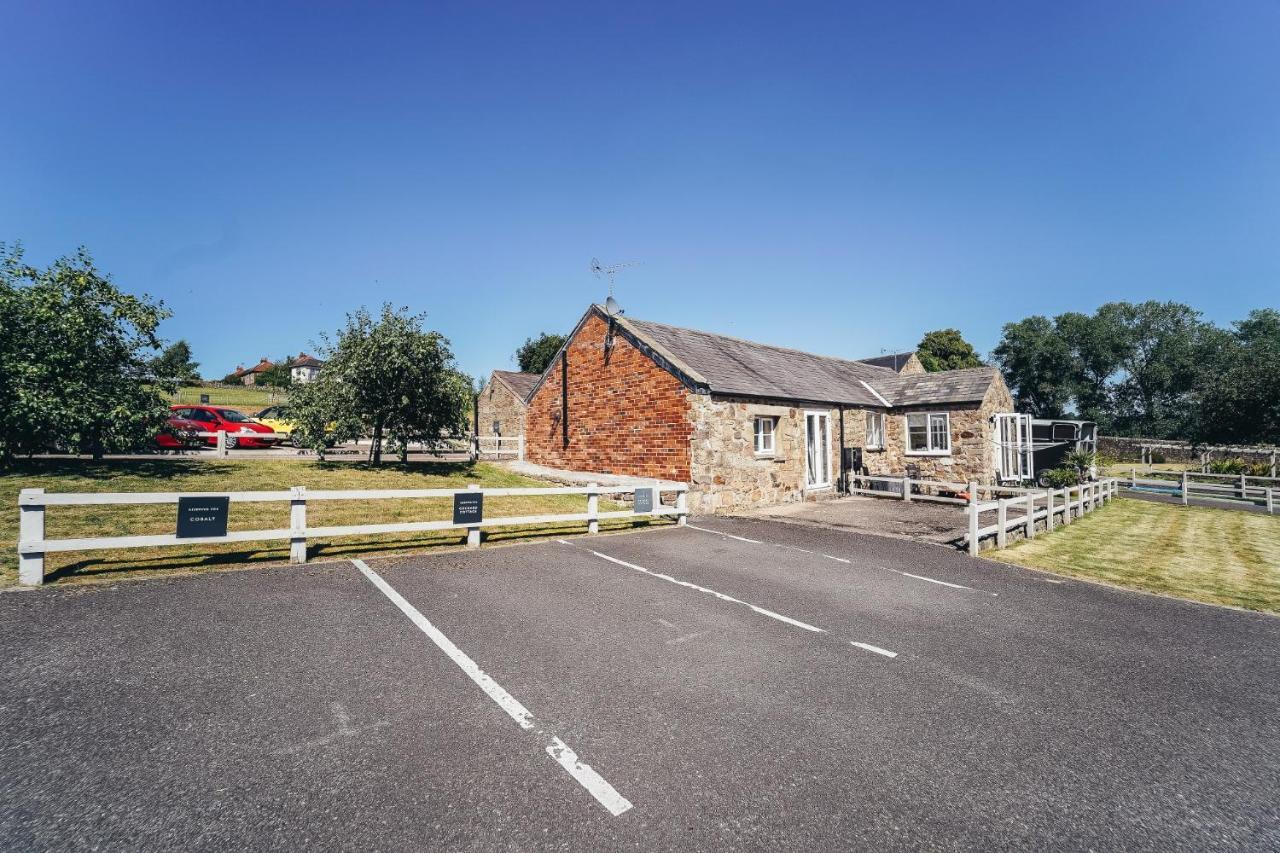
(271, 417)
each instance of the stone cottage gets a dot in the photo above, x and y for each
(749, 424)
(500, 406)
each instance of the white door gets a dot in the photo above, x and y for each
(817, 446)
(1013, 446)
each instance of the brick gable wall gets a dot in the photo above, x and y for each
(626, 415)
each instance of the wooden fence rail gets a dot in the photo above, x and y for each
(33, 503)
(1183, 484)
(1061, 506)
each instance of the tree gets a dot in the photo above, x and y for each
(1161, 363)
(386, 377)
(536, 353)
(75, 360)
(175, 364)
(1036, 364)
(1237, 392)
(1098, 345)
(946, 349)
(278, 375)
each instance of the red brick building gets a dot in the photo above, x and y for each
(751, 424)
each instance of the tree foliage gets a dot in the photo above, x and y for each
(175, 364)
(946, 349)
(536, 353)
(75, 360)
(386, 377)
(1152, 369)
(278, 375)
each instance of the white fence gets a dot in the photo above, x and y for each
(1242, 488)
(32, 505)
(500, 445)
(1050, 506)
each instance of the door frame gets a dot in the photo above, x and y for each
(826, 450)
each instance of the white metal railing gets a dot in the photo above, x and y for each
(1183, 485)
(1070, 503)
(32, 505)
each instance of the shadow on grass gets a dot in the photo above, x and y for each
(166, 467)
(161, 565)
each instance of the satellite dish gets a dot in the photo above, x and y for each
(612, 308)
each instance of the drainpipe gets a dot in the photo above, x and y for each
(844, 478)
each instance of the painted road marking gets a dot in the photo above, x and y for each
(720, 595)
(846, 562)
(875, 649)
(588, 778)
(728, 535)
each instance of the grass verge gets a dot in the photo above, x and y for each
(245, 397)
(189, 475)
(1217, 556)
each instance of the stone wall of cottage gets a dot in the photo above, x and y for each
(627, 415)
(497, 404)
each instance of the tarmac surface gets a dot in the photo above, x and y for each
(746, 685)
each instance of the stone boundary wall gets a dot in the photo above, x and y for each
(1129, 449)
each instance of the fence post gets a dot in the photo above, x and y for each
(593, 508)
(31, 533)
(298, 524)
(1244, 488)
(1002, 518)
(1184, 488)
(973, 519)
(1133, 477)
(906, 488)
(1029, 529)
(1067, 508)
(682, 507)
(473, 533)
(520, 446)
(1273, 463)
(222, 443)
(1271, 503)
(1048, 511)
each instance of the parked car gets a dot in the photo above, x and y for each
(179, 433)
(273, 417)
(239, 427)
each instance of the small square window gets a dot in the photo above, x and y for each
(929, 434)
(764, 435)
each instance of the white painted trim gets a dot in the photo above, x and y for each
(928, 429)
(882, 400)
(825, 484)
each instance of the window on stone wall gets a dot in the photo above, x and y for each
(764, 435)
(929, 434)
(875, 430)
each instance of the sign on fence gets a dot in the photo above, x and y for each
(202, 517)
(468, 507)
(204, 399)
(644, 500)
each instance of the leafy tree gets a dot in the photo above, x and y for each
(175, 364)
(386, 377)
(1097, 346)
(1161, 365)
(1238, 393)
(1036, 364)
(232, 379)
(536, 353)
(75, 360)
(946, 349)
(278, 375)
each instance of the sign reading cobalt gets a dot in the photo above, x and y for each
(199, 517)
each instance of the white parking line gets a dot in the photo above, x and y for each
(875, 649)
(588, 778)
(720, 595)
(931, 580)
(727, 535)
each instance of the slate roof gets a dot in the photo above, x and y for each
(732, 366)
(893, 362)
(304, 360)
(520, 383)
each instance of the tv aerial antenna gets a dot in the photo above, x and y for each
(599, 270)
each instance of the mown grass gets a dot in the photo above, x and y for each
(249, 398)
(1218, 556)
(189, 475)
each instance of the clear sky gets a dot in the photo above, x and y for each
(839, 178)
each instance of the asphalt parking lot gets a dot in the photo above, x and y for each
(734, 684)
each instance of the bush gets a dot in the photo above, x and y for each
(1060, 478)
(1157, 458)
(1227, 466)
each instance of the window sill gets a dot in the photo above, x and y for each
(822, 487)
(765, 455)
(875, 449)
(928, 453)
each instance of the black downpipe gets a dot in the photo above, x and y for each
(843, 482)
(564, 398)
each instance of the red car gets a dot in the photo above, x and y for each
(240, 428)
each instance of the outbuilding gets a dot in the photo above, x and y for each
(500, 406)
(749, 424)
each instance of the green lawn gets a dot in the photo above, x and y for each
(163, 475)
(250, 398)
(1218, 556)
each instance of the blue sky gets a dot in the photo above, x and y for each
(839, 178)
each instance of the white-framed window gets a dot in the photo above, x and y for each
(875, 431)
(765, 428)
(929, 434)
(817, 449)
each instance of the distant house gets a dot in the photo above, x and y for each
(305, 368)
(249, 375)
(500, 407)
